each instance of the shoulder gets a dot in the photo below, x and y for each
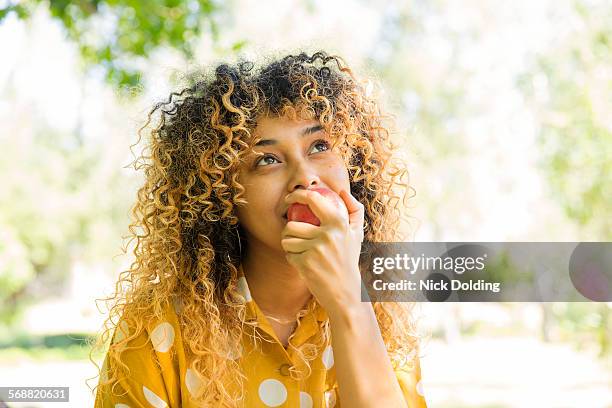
(141, 367)
(141, 328)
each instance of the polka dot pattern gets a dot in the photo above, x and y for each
(272, 392)
(162, 363)
(162, 337)
(330, 398)
(243, 288)
(305, 400)
(153, 399)
(328, 357)
(419, 388)
(192, 382)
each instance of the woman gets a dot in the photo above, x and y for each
(229, 303)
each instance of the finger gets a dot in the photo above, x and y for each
(295, 245)
(355, 208)
(298, 229)
(321, 207)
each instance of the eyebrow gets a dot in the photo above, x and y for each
(307, 131)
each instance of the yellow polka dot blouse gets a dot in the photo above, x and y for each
(159, 378)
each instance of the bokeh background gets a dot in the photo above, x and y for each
(504, 110)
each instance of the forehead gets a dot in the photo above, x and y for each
(281, 127)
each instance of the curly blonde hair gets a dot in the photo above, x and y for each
(187, 235)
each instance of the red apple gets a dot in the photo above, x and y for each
(302, 213)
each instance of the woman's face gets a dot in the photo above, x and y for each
(297, 155)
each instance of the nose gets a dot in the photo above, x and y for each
(303, 177)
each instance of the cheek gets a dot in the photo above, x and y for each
(337, 174)
(260, 199)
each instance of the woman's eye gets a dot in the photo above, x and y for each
(262, 159)
(320, 142)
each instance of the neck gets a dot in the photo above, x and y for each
(275, 285)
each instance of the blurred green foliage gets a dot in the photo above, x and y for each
(71, 208)
(48, 341)
(584, 324)
(570, 87)
(68, 346)
(19, 354)
(18, 271)
(112, 35)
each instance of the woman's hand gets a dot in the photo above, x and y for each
(327, 256)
